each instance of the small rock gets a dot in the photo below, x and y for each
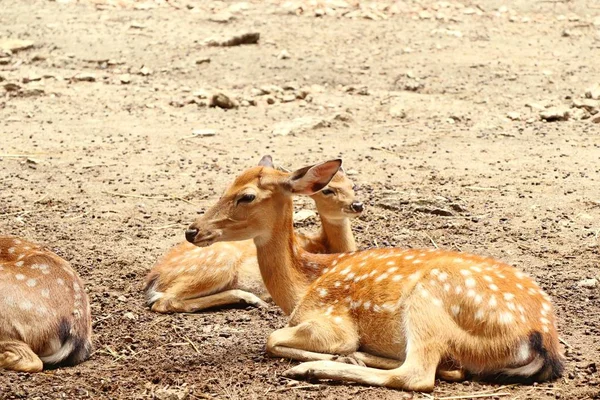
(303, 215)
(298, 125)
(578, 114)
(270, 100)
(593, 92)
(413, 86)
(125, 79)
(284, 55)
(145, 71)
(590, 105)
(201, 94)
(221, 17)
(136, 25)
(204, 132)
(397, 111)
(588, 283)
(130, 315)
(536, 106)
(15, 45)
(236, 40)
(31, 78)
(288, 98)
(351, 172)
(596, 119)
(11, 87)
(172, 394)
(39, 57)
(514, 116)
(271, 89)
(222, 100)
(122, 298)
(290, 86)
(555, 114)
(204, 60)
(596, 21)
(84, 77)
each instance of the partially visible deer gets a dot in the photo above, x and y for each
(44, 312)
(190, 278)
(405, 314)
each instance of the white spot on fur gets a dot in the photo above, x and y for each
(437, 302)
(475, 268)
(519, 275)
(519, 286)
(46, 293)
(455, 309)
(458, 260)
(465, 272)
(544, 321)
(458, 289)
(345, 271)
(337, 284)
(511, 306)
(435, 272)
(447, 287)
(545, 328)
(381, 277)
(409, 257)
(414, 276)
(367, 305)
(443, 276)
(322, 292)
(60, 281)
(488, 278)
(396, 278)
(390, 263)
(493, 303)
(392, 270)
(20, 277)
(470, 282)
(479, 314)
(508, 296)
(11, 250)
(493, 287)
(25, 305)
(478, 299)
(31, 282)
(506, 317)
(337, 320)
(19, 263)
(470, 293)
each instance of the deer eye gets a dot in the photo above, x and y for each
(247, 198)
(327, 192)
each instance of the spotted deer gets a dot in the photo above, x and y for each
(403, 315)
(44, 312)
(190, 278)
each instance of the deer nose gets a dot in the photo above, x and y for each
(190, 235)
(357, 206)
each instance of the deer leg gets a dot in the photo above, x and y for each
(424, 350)
(314, 339)
(228, 297)
(18, 356)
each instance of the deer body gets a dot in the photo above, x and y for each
(190, 278)
(407, 315)
(45, 316)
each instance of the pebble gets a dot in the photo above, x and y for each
(593, 92)
(591, 105)
(513, 115)
(578, 114)
(588, 283)
(145, 71)
(204, 60)
(235, 40)
(284, 55)
(125, 79)
(222, 100)
(15, 45)
(397, 111)
(555, 114)
(85, 77)
(221, 17)
(298, 125)
(303, 215)
(130, 315)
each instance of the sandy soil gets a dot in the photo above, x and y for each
(414, 96)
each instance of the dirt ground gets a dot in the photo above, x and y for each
(434, 107)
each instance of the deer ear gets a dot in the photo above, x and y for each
(309, 180)
(266, 161)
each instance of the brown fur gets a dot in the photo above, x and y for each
(416, 312)
(45, 315)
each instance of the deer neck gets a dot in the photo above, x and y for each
(337, 235)
(280, 262)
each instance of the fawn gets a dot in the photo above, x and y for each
(190, 278)
(45, 314)
(402, 315)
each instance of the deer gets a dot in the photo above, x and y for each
(390, 317)
(45, 320)
(191, 279)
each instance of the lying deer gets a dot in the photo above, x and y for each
(405, 314)
(44, 312)
(190, 278)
